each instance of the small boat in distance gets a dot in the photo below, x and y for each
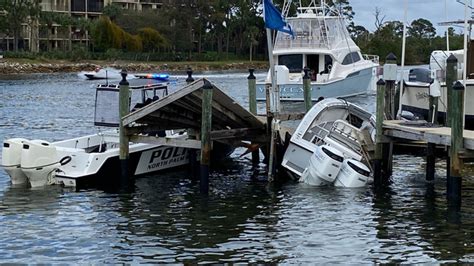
(103, 73)
(156, 76)
(328, 145)
(322, 44)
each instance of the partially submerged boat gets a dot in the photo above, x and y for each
(328, 145)
(39, 162)
(322, 44)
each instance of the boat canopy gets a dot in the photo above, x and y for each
(323, 32)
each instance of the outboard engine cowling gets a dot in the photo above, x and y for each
(353, 174)
(11, 160)
(38, 161)
(324, 166)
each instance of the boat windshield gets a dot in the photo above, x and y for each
(294, 62)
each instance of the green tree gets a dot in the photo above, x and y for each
(16, 13)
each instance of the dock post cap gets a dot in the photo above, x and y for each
(306, 70)
(458, 86)
(452, 59)
(207, 85)
(124, 74)
(190, 78)
(251, 76)
(380, 82)
(391, 57)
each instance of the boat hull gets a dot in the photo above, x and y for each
(357, 83)
(415, 99)
(141, 162)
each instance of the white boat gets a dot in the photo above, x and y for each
(322, 44)
(330, 138)
(39, 162)
(418, 81)
(103, 73)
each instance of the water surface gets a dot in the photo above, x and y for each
(243, 220)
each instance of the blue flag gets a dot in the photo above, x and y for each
(273, 18)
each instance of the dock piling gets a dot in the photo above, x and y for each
(190, 78)
(378, 133)
(307, 90)
(454, 180)
(391, 106)
(430, 161)
(206, 120)
(451, 76)
(124, 95)
(252, 84)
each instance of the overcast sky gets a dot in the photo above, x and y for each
(432, 10)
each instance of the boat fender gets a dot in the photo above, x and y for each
(65, 160)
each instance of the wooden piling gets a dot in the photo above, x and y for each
(454, 180)
(124, 108)
(451, 76)
(379, 134)
(252, 84)
(430, 161)
(206, 120)
(391, 106)
(307, 90)
(190, 78)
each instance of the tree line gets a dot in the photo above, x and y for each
(206, 30)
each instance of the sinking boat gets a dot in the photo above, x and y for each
(323, 44)
(39, 162)
(328, 146)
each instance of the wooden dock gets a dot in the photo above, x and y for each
(231, 123)
(426, 132)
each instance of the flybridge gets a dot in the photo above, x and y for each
(319, 32)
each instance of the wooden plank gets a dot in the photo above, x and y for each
(240, 133)
(223, 109)
(142, 112)
(174, 142)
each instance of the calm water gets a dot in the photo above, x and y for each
(166, 220)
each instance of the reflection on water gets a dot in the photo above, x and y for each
(244, 219)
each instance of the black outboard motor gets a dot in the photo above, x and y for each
(420, 75)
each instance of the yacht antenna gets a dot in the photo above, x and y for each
(403, 57)
(447, 26)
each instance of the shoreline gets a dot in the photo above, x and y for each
(10, 66)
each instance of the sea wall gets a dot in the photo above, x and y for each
(12, 67)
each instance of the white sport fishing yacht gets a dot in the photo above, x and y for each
(321, 43)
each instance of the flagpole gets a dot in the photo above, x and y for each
(274, 106)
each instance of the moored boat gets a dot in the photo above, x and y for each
(40, 163)
(322, 44)
(418, 88)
